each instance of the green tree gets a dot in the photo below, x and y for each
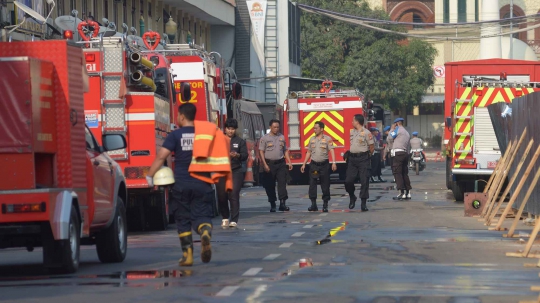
(384, 67)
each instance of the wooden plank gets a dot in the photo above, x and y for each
(498, 176)
(523, 203)
(514, 178)
(518, 189)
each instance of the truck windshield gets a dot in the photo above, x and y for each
(163, 86)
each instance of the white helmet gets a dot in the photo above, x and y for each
(164, 176)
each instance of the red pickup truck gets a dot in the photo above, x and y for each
(59, 188)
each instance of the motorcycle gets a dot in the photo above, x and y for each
(417, 160)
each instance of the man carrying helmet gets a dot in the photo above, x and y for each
(191, 203)
(400, 154)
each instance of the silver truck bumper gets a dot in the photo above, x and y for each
(463, 171)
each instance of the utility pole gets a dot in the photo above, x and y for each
(511, 27)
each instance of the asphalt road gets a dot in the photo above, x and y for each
(422, 250)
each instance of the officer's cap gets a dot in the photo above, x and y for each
(398, 119)
(387, 128)
(415, 133)
(373, 129)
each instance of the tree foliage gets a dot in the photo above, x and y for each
(384, 67)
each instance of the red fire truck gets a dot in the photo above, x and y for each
(59, 189)
(132, 93)
(471, 86)
(335, 109)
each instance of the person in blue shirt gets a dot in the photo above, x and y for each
(400, 160)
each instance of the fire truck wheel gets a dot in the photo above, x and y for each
(458, 189)
(449, 173)
(111, 243)
(62, 256)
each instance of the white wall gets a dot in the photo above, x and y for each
(427, 126)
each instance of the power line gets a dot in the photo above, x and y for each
(358, 21)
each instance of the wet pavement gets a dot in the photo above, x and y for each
(422, 250)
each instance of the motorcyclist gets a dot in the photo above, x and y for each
(417, 144)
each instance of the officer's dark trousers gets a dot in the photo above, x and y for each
(400, 169)
(323, 174)
(191, 205)
(278, 172)
(232, 197)
(376, 165)
(358, 167)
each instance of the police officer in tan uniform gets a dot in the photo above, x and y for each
(319, 147)
(274, 151)
(362, 146)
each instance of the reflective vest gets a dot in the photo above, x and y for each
(211, 150)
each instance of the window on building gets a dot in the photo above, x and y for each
(115, 13)
(150, 9)
(60, 7)
(141, 5)
(133, 18)
(106, 9)
(294, 34)
(462, 10)
(506, 16)
(475, 10)
(94, 9)
(417, 19)
(446, 11)
(72, 4)
(84, 8)
(125, 13)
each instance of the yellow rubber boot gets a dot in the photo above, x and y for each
(186, 240)
(205, 230)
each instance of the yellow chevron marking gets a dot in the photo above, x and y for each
(323, 115)
(337, 115)
(331, 133)
(309, 116)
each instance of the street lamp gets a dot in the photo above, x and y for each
(170, 29)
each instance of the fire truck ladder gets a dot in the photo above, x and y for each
(457, 135)
(113, 107)
(271, 52)
(293, 123)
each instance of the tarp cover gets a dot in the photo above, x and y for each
(510, 128)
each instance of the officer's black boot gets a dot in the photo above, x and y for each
(401, 196)
(363, 206)
(371, 180)
(313, 206)
(282, 206)
(381, 180)
(325, 207)
(272, 206)
(353, 201)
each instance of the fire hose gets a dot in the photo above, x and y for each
(139, 78)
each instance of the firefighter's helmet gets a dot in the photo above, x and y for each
(164, 176)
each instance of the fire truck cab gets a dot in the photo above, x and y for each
(60, 188)
(472, 150)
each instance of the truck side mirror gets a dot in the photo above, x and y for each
(237, 90)
(113, 142)
(448, 122)
(184, 90)
(257, 135)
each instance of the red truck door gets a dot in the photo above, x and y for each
(102, 174)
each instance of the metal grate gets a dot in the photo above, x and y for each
(113, 59)
(115, 117)
(112, 87)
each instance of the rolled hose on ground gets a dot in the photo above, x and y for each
(139, 78)
(138, 59)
